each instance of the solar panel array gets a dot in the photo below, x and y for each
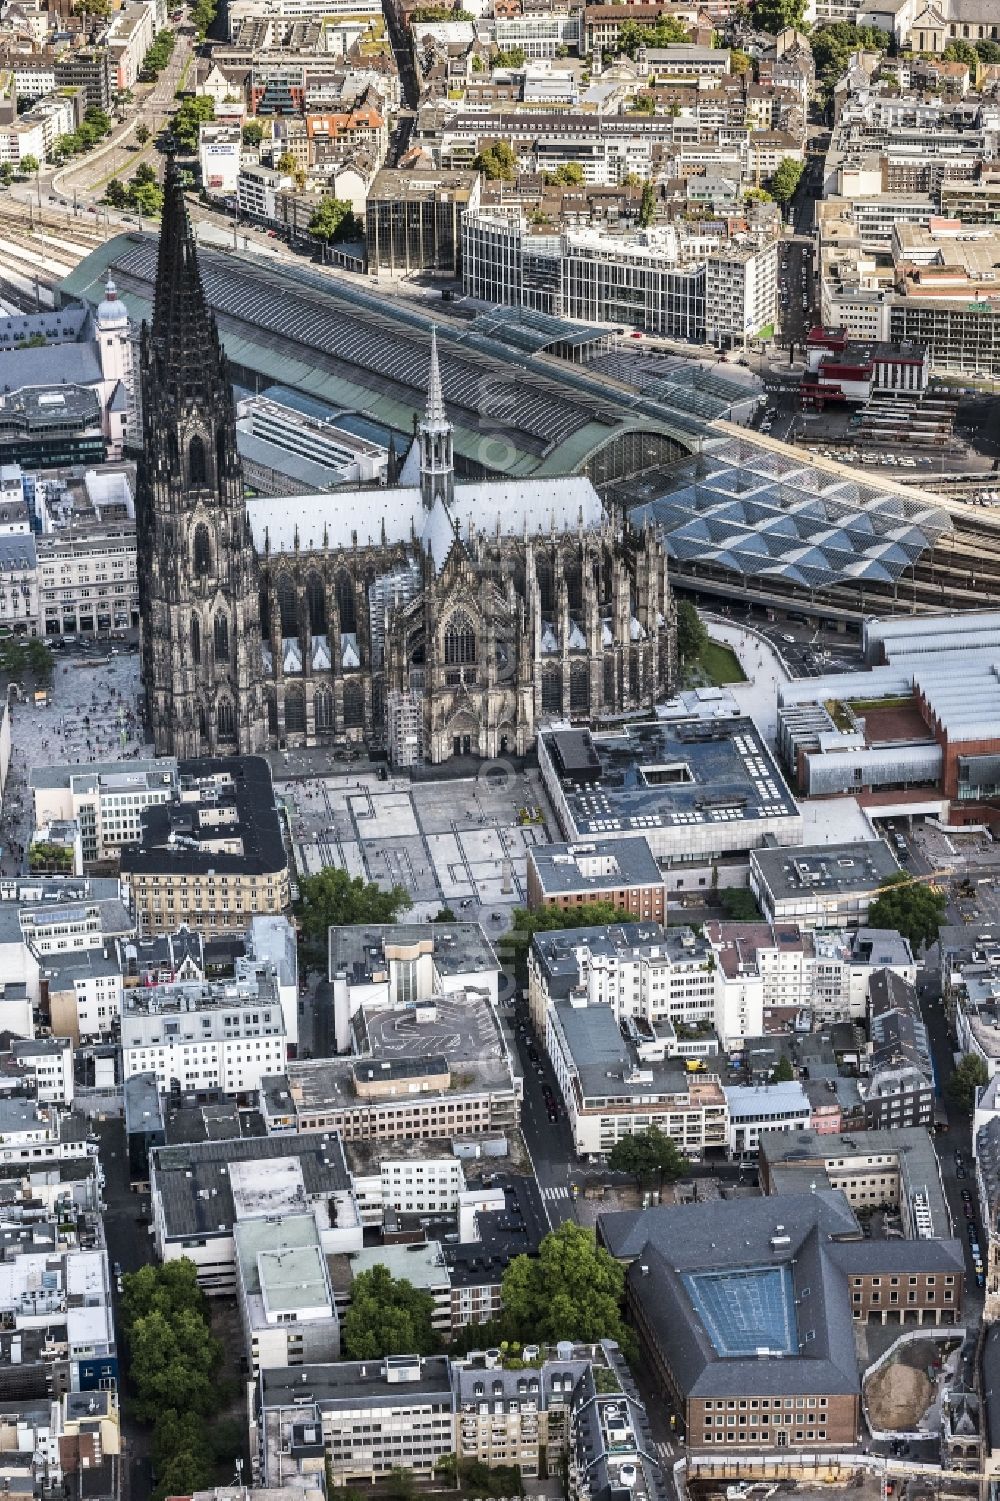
(748, 1311)
(390, 349)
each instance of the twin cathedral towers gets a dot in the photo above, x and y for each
(429, 641)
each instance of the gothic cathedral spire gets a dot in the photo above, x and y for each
(199, 604)
(435, 433)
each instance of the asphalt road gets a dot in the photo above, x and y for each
(549, 1142)
(796, 291)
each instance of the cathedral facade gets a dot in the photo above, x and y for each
(428, 618)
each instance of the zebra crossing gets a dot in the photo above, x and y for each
(555, 1193)
(664, 1451)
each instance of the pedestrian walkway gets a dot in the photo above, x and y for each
(556, 1193)
(765, 671)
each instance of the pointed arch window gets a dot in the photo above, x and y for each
(288, 606)
(344, 588)
(197, 468)
(202, 550)
(316, 604)
(195, 640)
(221, 638)
(460, 641)
(227, 721)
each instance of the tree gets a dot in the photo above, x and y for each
(332, 899)
(783, 1071)
(497, 162)
(287, 162)
(511, 57)
(649, 1155)
(187, 122)
(147, 199)
(401, 1484)
(773, 16)
(99, 120)
(644, 104)
(182, 1475)
(988, 51)
(253, 133)
(692, 635)
(969, 1075)
(141, 134)
(203, 13)
(647, 206)
(786, 179)
(555, 919)
(632, 35)
(332, 220)
(571, 1290)
(739, 61)
(832, 45)
(39, 657)
(445, 914)
(756, 195)
(962, 52)
(29, 165)
(739, 905)
(909, 906)
(6, 174)
(387, 1316)
(568, 174)
(144, 176)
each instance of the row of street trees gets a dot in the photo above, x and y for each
(173, 1372)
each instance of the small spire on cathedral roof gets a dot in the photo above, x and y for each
(434, 411)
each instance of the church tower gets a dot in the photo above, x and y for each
(437, 461)
(198, 586)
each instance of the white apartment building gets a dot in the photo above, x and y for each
(204, 1035)
(756, 1109)
(85, 993)
(656, 975)
(411, 1177)
(195, 1215)
(825, 972)
(257, 190)
(88, 581)
(33, 1135)
(19, 139)
(741, 293)
(56, 115)
(132, 33)
(19, 585)
(254, 10)
(615, 1087)
(284, 1293)
(107, 800)
(48, 1062)
(219, 151)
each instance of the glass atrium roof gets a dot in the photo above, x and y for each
(755, 510)
(748, 1311)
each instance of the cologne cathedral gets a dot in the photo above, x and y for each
(427, 618)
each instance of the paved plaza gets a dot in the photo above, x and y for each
(460, 844)
(92, 715)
